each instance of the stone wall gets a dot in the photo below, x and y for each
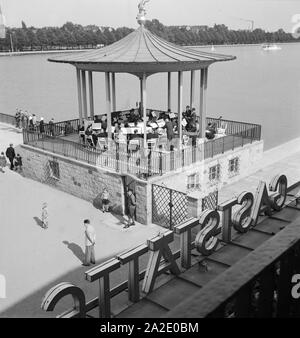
(248, 156)
(79, 179)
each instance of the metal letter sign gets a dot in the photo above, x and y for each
(242, 218)
(206, 241)
(54, 295)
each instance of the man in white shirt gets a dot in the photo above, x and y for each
(90, 240)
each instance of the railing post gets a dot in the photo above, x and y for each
(171, 207)
(160, 163)
(223, 149)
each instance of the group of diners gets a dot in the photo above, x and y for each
(129, 125)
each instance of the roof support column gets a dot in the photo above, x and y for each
(113, 86)
(84, 95)
(108, 105)
(79, 93)
(91, 91)
(144, 106)
(192, 97)
(180, 101)
(169, 90)
(203, 92)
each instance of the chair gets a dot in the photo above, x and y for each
(222, 129)
(102, 143)
(186, 140)
(134, 145)
(152, 143)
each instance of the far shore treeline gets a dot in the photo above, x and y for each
(74, 36)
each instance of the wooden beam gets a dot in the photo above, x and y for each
(180, 106)
(79, 93)
(84, 94)
(192, 93)
(170, 90)
(108, 105)
(203, 92)
(91, 92)
(144, 106)
(113, 86)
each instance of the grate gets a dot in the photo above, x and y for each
(169, 207)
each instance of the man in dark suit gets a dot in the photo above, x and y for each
(10, 154)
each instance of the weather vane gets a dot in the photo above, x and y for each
(141, 17)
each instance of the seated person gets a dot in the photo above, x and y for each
(81, 129)
(210, 131)
(89, 133)
(95, 138)
(135, 136)
(102, 134)
(132, 116)
(104, 124)
(191, 127)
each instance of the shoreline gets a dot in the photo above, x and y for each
(41, 52)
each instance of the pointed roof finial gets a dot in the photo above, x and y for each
(141, 17)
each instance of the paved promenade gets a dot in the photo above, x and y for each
(33, 259)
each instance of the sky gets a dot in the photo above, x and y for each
(267, 14)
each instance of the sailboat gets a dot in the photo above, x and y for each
(2, 25)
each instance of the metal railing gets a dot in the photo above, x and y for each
(141, 163)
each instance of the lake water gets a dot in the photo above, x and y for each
(260, 87)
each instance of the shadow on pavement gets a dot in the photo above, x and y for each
(76, 249)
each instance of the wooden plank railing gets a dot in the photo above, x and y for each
(259, 285)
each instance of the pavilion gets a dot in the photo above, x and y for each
(142, 54)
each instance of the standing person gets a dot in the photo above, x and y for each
(51, 127)
(10, 154)
(90, 241)
(131, 203)
(17, 117)
(105, 200)
(42, 126)
(31, 125)
(170, 130)
(45, 216)
(34, 121)
(3, 162)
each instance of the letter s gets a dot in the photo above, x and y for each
(296, 288)
(55, 294)
(278, 183)
(242, 217)
(206, 241)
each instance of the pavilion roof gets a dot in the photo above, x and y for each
(142, 52)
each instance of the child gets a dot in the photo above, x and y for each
(19, 162)
(3, 162)
(45, 216)
(105, 200)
